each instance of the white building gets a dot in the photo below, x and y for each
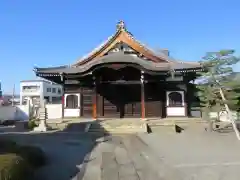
(38, 90)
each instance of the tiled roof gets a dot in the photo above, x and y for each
(110, 38)
(168, 64)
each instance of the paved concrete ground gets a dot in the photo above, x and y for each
(121, 158)
(198, 155)
(82, 156)
(185, 156)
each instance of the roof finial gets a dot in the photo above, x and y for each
(121, 25)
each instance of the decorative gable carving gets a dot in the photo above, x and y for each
(122, 47)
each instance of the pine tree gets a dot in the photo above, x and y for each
(216, 91)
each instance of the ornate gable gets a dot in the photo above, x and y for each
(122, 47)
(122, 40)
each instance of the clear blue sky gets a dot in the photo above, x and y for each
(57, 32)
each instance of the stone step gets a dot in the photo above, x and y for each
(120, 130)
(162, 129)
(112, 132)
(170, 122)
(117, 129)
(69, 127)
(59, 126)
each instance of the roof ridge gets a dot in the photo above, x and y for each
(120, 27)
(146, 47)
(95, 49)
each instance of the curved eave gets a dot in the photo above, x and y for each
(48, 74)
(118, 58)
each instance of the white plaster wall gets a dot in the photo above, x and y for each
(54, 111)
(20, 112)
(71, 112)
(175, 111)
(23, 112)
(7, 112)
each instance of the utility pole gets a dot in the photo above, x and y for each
(13, 94)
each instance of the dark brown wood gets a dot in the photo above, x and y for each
(119, 101)
(131, 100)
(94, 104)
(111, 101)
(99, 105)
(87, 102)
(123, 100)
(154, 97)
(143, 101)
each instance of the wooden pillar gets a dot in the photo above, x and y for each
(63, 104)
(94, 99)
(143, 111)
(186, 100)
(80, 102)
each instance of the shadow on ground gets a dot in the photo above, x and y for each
(68, 150)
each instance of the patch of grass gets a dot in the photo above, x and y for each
(17, 160)
(14, 167)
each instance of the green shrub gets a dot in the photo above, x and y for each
(34, 155)
(14, 167)
(32, 124)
